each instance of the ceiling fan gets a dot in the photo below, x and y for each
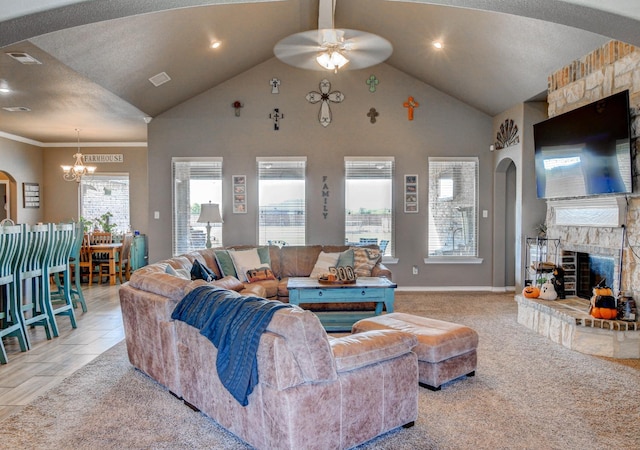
(329, 48)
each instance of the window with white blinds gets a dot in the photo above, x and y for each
(281, 200)
(195, 181)
(369, 201)
(106, 194)
(453, 207)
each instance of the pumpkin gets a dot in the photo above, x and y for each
(603, 304)
(531, 291)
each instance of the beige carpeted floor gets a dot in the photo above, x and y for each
(529, 393)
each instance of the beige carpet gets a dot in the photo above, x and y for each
(529, 393)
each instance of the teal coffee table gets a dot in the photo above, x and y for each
(365, 289)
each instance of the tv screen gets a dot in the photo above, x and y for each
(586, 151)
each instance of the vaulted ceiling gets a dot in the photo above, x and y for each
(97, 56)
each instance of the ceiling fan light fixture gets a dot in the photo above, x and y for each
(332, 60)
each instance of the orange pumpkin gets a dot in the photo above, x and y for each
(604, 313)
(603, 304)
(531, 291)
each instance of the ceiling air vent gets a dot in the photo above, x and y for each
(17, 109)
(159, 79)
(23, 58)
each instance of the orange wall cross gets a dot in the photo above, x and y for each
(410, 104)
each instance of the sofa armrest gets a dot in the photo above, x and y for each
(362, 349)
(380, 270)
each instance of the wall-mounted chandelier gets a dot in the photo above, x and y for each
(79, 169)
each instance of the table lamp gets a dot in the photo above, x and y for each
(209, 213)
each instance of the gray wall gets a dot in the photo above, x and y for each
(22, 163)
(443, 126)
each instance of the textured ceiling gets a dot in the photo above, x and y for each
(98, 55)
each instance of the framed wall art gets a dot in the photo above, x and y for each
(239, 194)
(31, 195)
(411, 193)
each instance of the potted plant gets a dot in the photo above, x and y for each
(104, 221)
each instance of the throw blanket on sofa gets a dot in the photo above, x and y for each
(234, 324)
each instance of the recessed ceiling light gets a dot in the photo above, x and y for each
(17, 109)
(216, 44)
(4, 90)
(438, 44)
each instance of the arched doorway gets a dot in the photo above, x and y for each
(505, 267)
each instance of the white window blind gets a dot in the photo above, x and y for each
(453, 211)
(281, 200)
(106, 193)
(369, 201)
(195, 181)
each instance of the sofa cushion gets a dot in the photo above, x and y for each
(359, 350)
(298, 260)
(245, 260)
(364, 260)
(225, 263)
(324, 261)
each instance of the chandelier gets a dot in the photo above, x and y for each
(78, 170)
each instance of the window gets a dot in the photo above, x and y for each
(369, 201)
(106, 195)
(453, 199)
(195, 181)
(281, 200)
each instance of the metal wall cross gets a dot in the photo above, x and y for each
(275, 86)
(372, 81)
(410, 104)
(276, 116)
(325, 96)
(372, 114)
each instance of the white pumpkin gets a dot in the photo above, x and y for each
(547, 291)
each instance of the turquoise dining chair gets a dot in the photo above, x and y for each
(9, 314)
(55, 263)
(74, 260)
(28, 273)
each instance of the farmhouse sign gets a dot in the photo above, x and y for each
(104, 158)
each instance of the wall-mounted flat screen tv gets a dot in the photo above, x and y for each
(586, 151)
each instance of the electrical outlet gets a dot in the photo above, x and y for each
(415, 270)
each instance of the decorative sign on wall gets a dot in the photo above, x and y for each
(508, 135)
(239, 194)
(325, 197)
(410, 104)
(325, 96)
(103, 158)
(31, 195)
(275, 85)
(411, 193)
(276, 115)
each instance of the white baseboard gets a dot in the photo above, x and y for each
(454, 288)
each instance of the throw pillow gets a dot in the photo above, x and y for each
(260, 274)
(324, 261)
(346, 258)
(180, 273)
(365, 260)
(265, 257)
(225, 263)
(244, 260)
(201, 272)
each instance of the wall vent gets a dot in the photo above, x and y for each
(160, 79)
(23, 58)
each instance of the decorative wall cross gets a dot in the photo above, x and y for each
(276, 116)
(275, 86)
(325, 96)
(372, 114)
(372, 81)
(410, 104)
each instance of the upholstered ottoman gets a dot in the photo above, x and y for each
(445, 350)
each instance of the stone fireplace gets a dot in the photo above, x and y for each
(603, 231)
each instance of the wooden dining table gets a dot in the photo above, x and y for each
(112, 249)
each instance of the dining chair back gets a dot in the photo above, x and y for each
(56, 264)
(86, 259)
(35, 242)
(9, 309)
(75, 288)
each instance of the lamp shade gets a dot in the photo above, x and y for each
(210, 213)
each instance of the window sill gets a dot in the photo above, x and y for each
(453, 260)
(389, 260)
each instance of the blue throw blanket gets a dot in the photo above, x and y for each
(234, 324)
